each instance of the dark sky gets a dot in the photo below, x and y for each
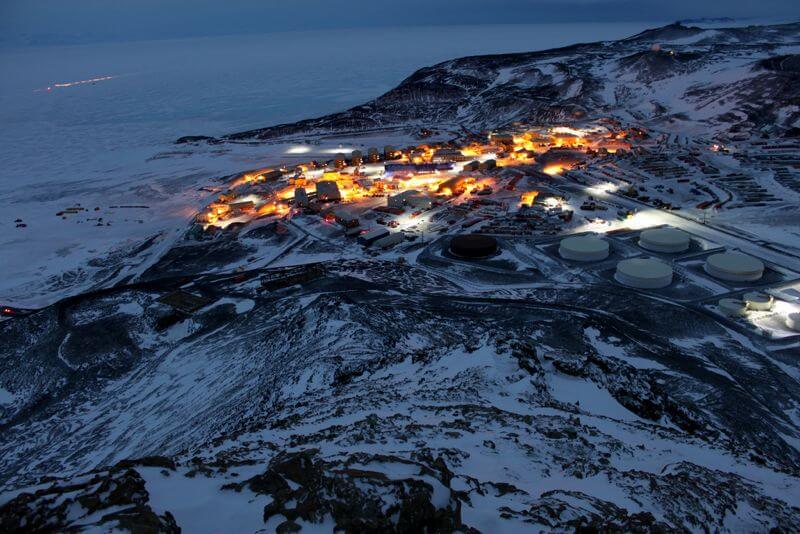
(64, 21)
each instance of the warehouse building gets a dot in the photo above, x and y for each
(399, 200)
(328, 191)
(389, 240)
(472, 166)
(372, 236)
(416, 167)
(501, 139)
(444, 155)
(240, 208)
(346, 218)
(419, 201)
(487, 165)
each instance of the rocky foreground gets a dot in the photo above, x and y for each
(382, 397)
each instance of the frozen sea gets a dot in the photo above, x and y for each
(94, 143)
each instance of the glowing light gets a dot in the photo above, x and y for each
(299, 149)
(646, 219)
(529, 197)
(568, 131)
(553, 170)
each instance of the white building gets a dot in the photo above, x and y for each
(758, 301)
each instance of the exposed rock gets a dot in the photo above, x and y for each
(358, 498)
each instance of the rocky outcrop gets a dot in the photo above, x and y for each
(107, 500)
(381, 396)
(357, 493)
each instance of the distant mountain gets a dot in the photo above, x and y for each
(676, 76)
(708, 20)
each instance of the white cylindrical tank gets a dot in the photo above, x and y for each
(643, 273)
(668, 240)
(583, 248)
(758, 301)
(734, 267)
(793, 321)
(733, 307)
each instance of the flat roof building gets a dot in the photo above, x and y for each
(448, 154)
(372, 236)
(346, 218)
(245, 206)
(420, 201)
(328, 191)
(500, 138)
(389, 240)
(487, 165)
(399, 200)
(472, 166)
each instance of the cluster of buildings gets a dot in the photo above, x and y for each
(410, 181)
(526, 183)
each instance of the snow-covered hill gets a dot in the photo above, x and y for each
(385, 397)
(395, 396)
(680, 77)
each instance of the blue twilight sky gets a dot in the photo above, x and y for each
(77, 21)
